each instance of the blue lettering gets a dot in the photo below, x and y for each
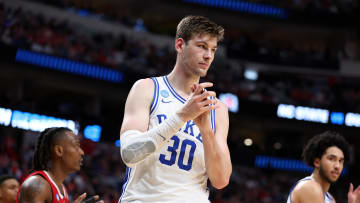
(189, 125)
(161, 117)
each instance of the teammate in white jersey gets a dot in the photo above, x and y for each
(325, 152)
(174, 136)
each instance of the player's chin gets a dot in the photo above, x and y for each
(333, 179)
(202, 73)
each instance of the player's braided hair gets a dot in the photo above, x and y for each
(45, 142)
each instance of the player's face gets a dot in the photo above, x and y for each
(72, 152)
(198, 53)
(331, 164)
(8, 190)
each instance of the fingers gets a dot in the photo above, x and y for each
(209, 104)
(199, 87)
(193, 87)
(80, 198)
(206, 95)
(357, 190)
(351, 188)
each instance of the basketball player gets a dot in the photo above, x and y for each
(325, 152)
(173, 135)
(9, 187)
(57, 155)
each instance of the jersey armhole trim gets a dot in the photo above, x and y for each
(156, 95)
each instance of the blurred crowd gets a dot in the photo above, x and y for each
(333, 6)
(330, 92)
(50, 36)
(318, 54)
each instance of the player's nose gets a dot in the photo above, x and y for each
(207, 54)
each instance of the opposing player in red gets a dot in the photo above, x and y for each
(57, 155)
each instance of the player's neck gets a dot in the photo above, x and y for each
(57, 175)
(181, 81)
(325, 185)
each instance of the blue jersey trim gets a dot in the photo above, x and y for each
(156, 95)
(173, 92)
(126, 181)
(212, 116)
(329, 196)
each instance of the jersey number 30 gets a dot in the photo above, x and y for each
(171, 161)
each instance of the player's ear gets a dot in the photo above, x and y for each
(317, 162)
(179, 44)
(59, 150)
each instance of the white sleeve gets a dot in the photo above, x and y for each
(136, 145)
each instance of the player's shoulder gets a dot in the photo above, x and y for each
(141, 91)
(143, 87)
(145, 82)
(36, 181)
(35, 184)
(309, 188)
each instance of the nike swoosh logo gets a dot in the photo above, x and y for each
(163, 101)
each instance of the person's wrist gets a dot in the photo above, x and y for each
(182, 116)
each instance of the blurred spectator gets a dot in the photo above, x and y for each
(9, 187)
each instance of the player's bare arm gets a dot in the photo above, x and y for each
(217, 155)
(137, 107)
(308, 192)
(35, 189)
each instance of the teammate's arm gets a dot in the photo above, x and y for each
(35, 189)
(307, 192)
(217, 155)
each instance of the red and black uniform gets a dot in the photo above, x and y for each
(57, 197)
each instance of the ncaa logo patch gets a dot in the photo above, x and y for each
(164, 93)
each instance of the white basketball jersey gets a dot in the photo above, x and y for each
(328, 198)
(176, 172)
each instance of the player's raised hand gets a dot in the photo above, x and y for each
(203, 121)
(354, 195)
(197, 103)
